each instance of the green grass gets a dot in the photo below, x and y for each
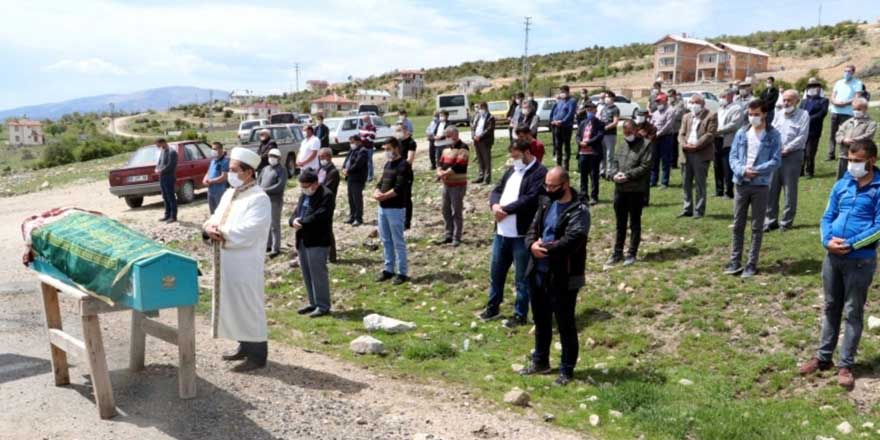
(77, 172)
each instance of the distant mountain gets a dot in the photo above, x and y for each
(153, 99)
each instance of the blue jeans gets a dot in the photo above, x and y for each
(846, 285)
(507, 251)
(166, 185)
(391, 222)
(370, 163)
(662, 155)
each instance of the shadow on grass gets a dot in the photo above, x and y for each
(353, 314)
(359, 261)
(588, 317)
(803, 266)
(672, 253)
(445, 277)
(618, 375)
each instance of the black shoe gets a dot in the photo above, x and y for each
(274, 254)
(478, 180)
(697, 216)
(489, 315)
(456, 243)
(830, 159)
(613, 260)
(236, 355)
(516, 321)
(317, 313)
(629, 260)
(771, 227)
(750, 271)
(685, 214)
(171, 220)
(442, 241)
(785, 228)
(349, 221)
(594, 202)
(534, 368)
(356, 223)
(248, 365)
(399, 279)
(733, 268)
(306, 309)
(563, 379)
(164, 219)
(384, 276)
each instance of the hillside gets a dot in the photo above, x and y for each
(152, 99)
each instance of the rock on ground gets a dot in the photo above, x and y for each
(367, 345)
(374, 322)
(517, 397)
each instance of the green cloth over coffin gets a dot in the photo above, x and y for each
(96, 253)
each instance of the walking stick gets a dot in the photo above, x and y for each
(215, 297)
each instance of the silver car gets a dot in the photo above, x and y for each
(287, 136)
(345, 127)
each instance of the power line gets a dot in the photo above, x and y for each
(525, 61)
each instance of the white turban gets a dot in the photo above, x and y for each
(245, 155)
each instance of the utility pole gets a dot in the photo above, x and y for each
(296, 68)
(112, 121)
(820, 14)
(525, 61)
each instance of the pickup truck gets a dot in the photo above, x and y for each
(138, 179)
(343, 128)
(287, 136)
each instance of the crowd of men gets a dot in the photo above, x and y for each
(759, 148)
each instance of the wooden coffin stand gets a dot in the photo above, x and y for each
(91, 347)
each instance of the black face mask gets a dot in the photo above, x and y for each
(556, 195)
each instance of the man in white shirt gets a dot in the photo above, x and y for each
(308, 151)
(842, 96)
(793, 125)
(514, 202)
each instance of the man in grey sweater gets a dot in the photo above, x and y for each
(731, 116)
(273, 180)
(166, 168)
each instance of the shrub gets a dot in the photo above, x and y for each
(422, 351)
(57, 154)
(96, 150)
(27, 155)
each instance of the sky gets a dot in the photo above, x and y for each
(53, 50)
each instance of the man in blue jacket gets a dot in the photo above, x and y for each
(850, 232)
(755, 153)
(513, 202)
(817, 106)
(561, 125)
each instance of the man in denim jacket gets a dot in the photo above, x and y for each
(754, 155)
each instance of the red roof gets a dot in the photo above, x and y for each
(25, 122)
(333, 99)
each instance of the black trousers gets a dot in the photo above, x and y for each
(432, 152)
(409, 207)
(356, 200)
(675, 149)
(808, 168)
(723, 172)
(257, 352)
(836, 120)
(549, 302)
(588, 166)
(628, 210)
(562, 145)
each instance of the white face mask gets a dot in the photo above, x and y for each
(518, 164)
(756, 120)
(640, 119)
(858, 114)
(813, 92)
(788, 109)
(389, 155)
(234, 180)
(661, 107)
(526, 110)
(398, 135)
(695, 108)
(273, 161)
(629, 138)
(745, 92)
(442, 119)
(324, 162)
(857, 169)
(609, 101)
(309, 191)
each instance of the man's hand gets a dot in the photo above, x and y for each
(620, 178)
(538, 250)
(476, 139)
(377, 195)
(847, 141)
(297, 224)
(498, 212)
(344, 172)
(838, 246)
(751, 173)
(214, 233)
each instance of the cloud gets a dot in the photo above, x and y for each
(662, 16)
(88, 66)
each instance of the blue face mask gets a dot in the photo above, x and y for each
(847, 75)
(590, 115)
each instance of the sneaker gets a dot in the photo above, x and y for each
(384, 276)
(563, 379)
(629, 260)
(594, 202)
(613, 260)
(814, 365)
(516, 321)
(771, 227)
(399, 279)
(750, 271)
(534, 368)
(685, 214)
(306, 309)
(846, 379)
(317, 313)
(733, 268)
(489, 315)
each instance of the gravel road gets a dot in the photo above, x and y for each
(301, 395)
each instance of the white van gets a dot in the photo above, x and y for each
(458, 107)
(244, 129)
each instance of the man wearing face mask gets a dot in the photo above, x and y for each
(817, 106)
(391, 195)
(307, 158)
(429, 133)
(630, 170)
(513, 203)
(857, 128)
(561, 124)
(610, 115)
(656, 90)
(745, 93)
(589, 137)
(755, 154)
(313, 222)
(678, 109)
(528, 118)
(557, 240)
(452, 172)
(663, 120)
(166, 168)
(731, 116)
(439, 135)
(355, 172)
(322, 132)
(793, 125)
(483, 132)
(408, 150)
(514, 114)
(273, 179)
(850, 229)
(842, 96)
(367, 132)
(240, 224)
(266, 144)
(215, 179)
(697, 139)
(770, 94)
(403, 120)
(328, 176)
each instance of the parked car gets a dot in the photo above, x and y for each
(138, 179)
(344, 127)
(627, 107)
(245, 127)
(712, 101)
(545, 106)
(457, 106)
(303, 119)
(282, 118)
(369, 109)
(499, 110)
(287, 136)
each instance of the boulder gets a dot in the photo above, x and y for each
(873, 322)
(367, 345)
(374, 322)
(517, 397)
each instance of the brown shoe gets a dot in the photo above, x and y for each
(814, 365)
(845, 378)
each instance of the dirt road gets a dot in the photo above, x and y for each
(299, 396)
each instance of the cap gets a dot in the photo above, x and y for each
(813, 81)
(661, 97)
(265, 131)
(275, 152)
(246, 156)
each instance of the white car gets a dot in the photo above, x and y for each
(627, 107)
(246, 126)
(545, 106)
(712, 101)
(345, 127)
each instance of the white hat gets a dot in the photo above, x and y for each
(246, 156)
(275, 152)
(265, 131)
